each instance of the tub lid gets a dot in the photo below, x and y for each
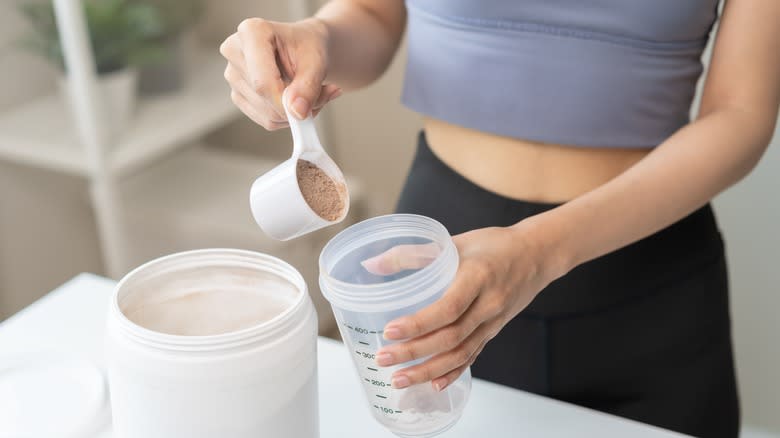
(51, 395)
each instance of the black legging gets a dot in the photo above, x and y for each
(643, 332)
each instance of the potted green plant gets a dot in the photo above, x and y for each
(178, 18)
(123, 36)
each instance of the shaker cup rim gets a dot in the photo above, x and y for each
(395, 293)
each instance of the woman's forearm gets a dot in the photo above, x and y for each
(363, 38)
(678, 177)
(738, 114)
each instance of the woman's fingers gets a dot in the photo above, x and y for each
(261, 105)
(258, 45)
(441, 340)
(441, 383)
(267, 56)
(253, 113)
(230, 49)
(238, 83)
(466, 287)
(328, 93)
(402, 257)
(444, 363)
(305, 88)
(255, 105)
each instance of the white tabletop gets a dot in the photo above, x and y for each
(71, 319)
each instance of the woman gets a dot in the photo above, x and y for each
(557, 147)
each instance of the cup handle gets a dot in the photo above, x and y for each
(304, 132)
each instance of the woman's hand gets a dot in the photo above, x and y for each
(501, 270)
(264, 55)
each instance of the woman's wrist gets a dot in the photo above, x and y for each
(546, 237)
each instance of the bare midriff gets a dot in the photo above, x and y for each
(527, 170)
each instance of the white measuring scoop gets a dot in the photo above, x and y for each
(277, 203)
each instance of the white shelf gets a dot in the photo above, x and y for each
(42, 134)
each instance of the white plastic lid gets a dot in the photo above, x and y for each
(51, 395)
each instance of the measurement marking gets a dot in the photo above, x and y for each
(398, 412)
(372, 332)
(367, 380)
(349, 327)
(364, 343)
(380, 396)
(372, 369)
(376, 406)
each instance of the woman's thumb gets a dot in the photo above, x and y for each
(304, 91)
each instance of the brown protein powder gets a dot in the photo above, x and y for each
(322, 194)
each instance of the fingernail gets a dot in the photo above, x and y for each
(300, 108)
(392, 333)
(439, 384)
(384, 359)
(371, 265)
(400, 381)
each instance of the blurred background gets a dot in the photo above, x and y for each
(170, 165)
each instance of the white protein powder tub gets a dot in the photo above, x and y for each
(213, 343)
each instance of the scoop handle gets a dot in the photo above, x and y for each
(304, 132)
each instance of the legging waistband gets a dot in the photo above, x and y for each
(637, 270)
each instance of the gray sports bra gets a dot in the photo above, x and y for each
(610, 73)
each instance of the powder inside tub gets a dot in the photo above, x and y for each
(324, 196)
(219, 305)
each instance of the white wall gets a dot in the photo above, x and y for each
(749, 215)
(46, 225)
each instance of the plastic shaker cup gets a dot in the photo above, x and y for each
(364, 302)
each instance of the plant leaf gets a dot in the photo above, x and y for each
(122, 32)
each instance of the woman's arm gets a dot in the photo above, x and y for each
(348, 44)
(502, 269)
(735, 124)
(363, 38)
